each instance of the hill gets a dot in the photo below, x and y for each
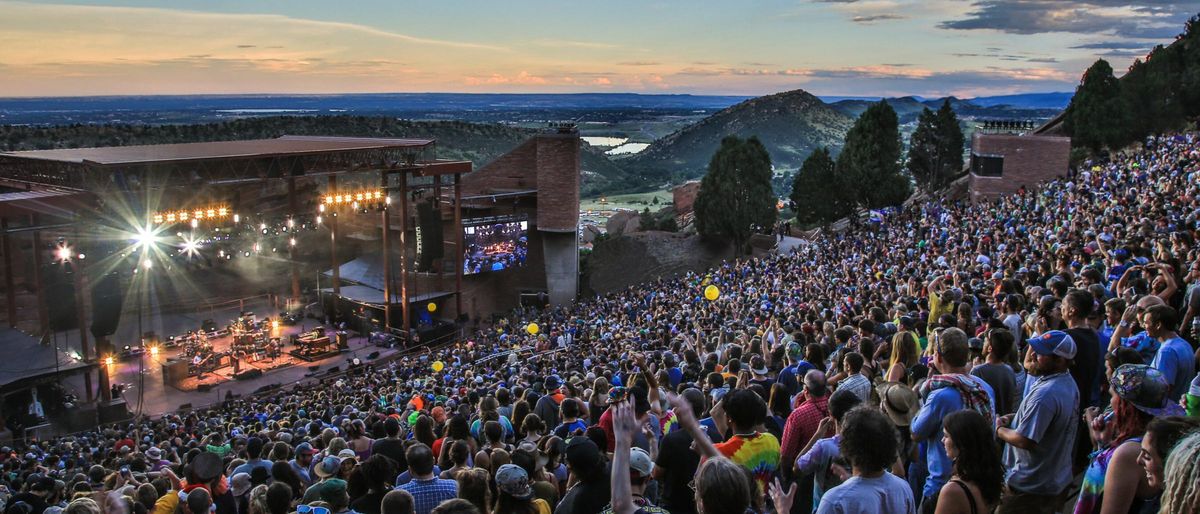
(1026, 101)
(907, 108)
(791, 125)
(1039, 106)
(478, 143)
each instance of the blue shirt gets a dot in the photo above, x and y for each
(248, 467)
(1048, 416)
(1176, 362)
(928, 426)
(427, 494)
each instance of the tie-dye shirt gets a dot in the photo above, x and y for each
(758, 453)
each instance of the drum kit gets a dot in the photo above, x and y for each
(251, 340)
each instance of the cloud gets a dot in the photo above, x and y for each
(639, 63)
(1114, 45)
(1147, 19)
(573, 43)
(876, 17)
(523, 78)
(246, 46)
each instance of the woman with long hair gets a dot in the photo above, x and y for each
(1182, 493)
(457, 430)
(423, 431)
(520, 410)
(906, 352)
(1162, 436)
(779, 406)
(1114, 481)
(978, 477)
(532, 429)
(473, 487)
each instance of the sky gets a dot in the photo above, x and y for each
(965, 48)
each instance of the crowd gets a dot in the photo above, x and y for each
(1026, 355)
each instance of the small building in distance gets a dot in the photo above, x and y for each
(1006, 155)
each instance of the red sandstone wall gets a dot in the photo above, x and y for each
(1027, 161)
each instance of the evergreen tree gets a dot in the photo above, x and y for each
(922, 150)
(952, 144)
(869, 166)
(735, 194)
(817, 194)
(1097, 116)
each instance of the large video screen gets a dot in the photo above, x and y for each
(495, 246)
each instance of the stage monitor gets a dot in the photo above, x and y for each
(494, 246)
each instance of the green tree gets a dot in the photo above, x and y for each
(950, 154)
(816, 191)
(735, 195)
(1097, 116)
(869, 165)
(923, 149)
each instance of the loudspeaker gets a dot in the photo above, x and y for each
(113, 411)
(60, 296)
(107, 299)
(248, 374)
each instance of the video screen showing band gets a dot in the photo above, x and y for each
(495, 247)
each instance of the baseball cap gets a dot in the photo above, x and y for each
(328, 466)
(332, 491)
(794, 350)
(514, 481)
(1145, 388)
(640, 462)
(1054, 342)
(307, 449)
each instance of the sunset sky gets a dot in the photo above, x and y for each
(835, 47)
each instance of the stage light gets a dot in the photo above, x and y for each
(262, 226)
(388, 200)
(291, 223)
(247, 254)
(158, 218)
(81, 256)
(256, 247)
(355, 206)
(321, 208)
(318, 220)
(64, 253)
(237, 218)
(292, 242)
(212, 213)
(195, 223)
(147, 264)
(145, 238)
(220, 253)
(275, 324)
(108, 361)
(126, 348)
(154, 351)
(222, 212)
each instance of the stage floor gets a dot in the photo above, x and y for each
(144, 379)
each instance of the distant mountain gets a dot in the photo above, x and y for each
(907, 108)
(476, 142)
(1026, 101)
(791, 125)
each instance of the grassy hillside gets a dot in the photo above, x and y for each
(791, 125)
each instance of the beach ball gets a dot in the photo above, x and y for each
(712, 293)
(432, 307)
(532, 328)
(438, 366)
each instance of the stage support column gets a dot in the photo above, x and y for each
(404, 250)
(103, 385)
(81, 296)
(43, 312)
(387, 254)
(291, 187)
(458, 246)
(11, 288)
(333, 261)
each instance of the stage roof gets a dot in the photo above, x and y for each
(55, 201)
(28, 360)
(186, 152)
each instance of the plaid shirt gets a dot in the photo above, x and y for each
(800, 427)
(427, 494)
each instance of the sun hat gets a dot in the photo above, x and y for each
(328, 466)
(899, 402)
(1054, 342)
(239, 483)
(1145, 388)
(514, 481)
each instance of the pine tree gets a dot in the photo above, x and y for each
(735, 195)
(952, 144)
(869, 165)
(922, 150)
(1097, 116)
(816, 192)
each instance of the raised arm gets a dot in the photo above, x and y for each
(687, 418)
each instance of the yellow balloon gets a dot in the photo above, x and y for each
(432, 307)
(712, 292)
(438, 366)
(532, 328)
